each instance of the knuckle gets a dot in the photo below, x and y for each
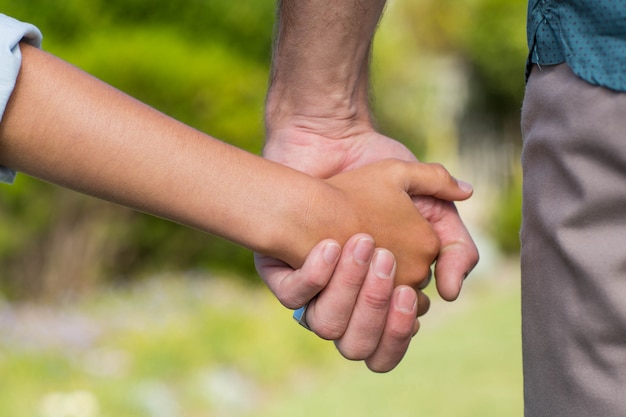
(284, 295)
(398, 168)
(399, 334)
(291, 304)
(315, 282)
(376, 300)
(430, 246)
(328, 329)
(380, 367)
(442, 175)
(292, 300)
(432, 241)
(353, 282)
(439, 170)
(296, 296)
(355, 351)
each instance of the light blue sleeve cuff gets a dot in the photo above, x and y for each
(12, 32)
(6, 175)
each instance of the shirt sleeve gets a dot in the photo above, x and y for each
(11, 33)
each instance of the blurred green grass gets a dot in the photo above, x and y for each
(203, 346)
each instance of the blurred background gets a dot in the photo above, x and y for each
(109, 312)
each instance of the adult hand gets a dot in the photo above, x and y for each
(335, 313)
(340, 149)
(318, 122)
(359, 308)
(373, 199)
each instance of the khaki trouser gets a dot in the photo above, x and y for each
(573, 247)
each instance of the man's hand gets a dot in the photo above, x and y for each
(324, 157)
(366, 317)
(318, 121)
(358, 308)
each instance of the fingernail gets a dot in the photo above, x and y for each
(406, 301)
(384, 264)
(331, 253)
(363, 250)
(465, 186)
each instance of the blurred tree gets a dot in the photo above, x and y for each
(449, 81)
(488, 35)
(447, 76)
(244, 26)
(202, 62)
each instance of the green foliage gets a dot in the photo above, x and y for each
(205, 85)
(202, 62)
(205, 62)
(489, 35)
(497, 47)
(449, 80)
(244, 26)
(27, 197)
(507, 219)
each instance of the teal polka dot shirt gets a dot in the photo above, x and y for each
(589, 35)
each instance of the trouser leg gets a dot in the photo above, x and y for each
(573, 247)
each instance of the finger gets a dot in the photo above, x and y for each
(294, 288)
(433, 179)
(400, 327)
(370, 312)
(330, 314)
(458, 254)
(423, 303)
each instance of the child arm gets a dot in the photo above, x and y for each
(67, 127)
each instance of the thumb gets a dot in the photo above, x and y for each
(434, 180)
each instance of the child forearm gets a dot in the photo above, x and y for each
(66, 127)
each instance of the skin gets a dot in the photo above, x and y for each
(66, 127)
(318, 121)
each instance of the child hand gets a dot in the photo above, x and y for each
(376, 199)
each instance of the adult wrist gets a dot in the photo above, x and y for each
(334, 110)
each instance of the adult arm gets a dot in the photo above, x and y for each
(318, 118)
(318, 121)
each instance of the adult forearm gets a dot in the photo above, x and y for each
(69, 128)
(321, 58)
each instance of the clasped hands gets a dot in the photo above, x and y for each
(364, 289)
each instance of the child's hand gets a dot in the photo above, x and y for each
(376, 199)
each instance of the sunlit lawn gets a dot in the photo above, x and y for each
(206, 347)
